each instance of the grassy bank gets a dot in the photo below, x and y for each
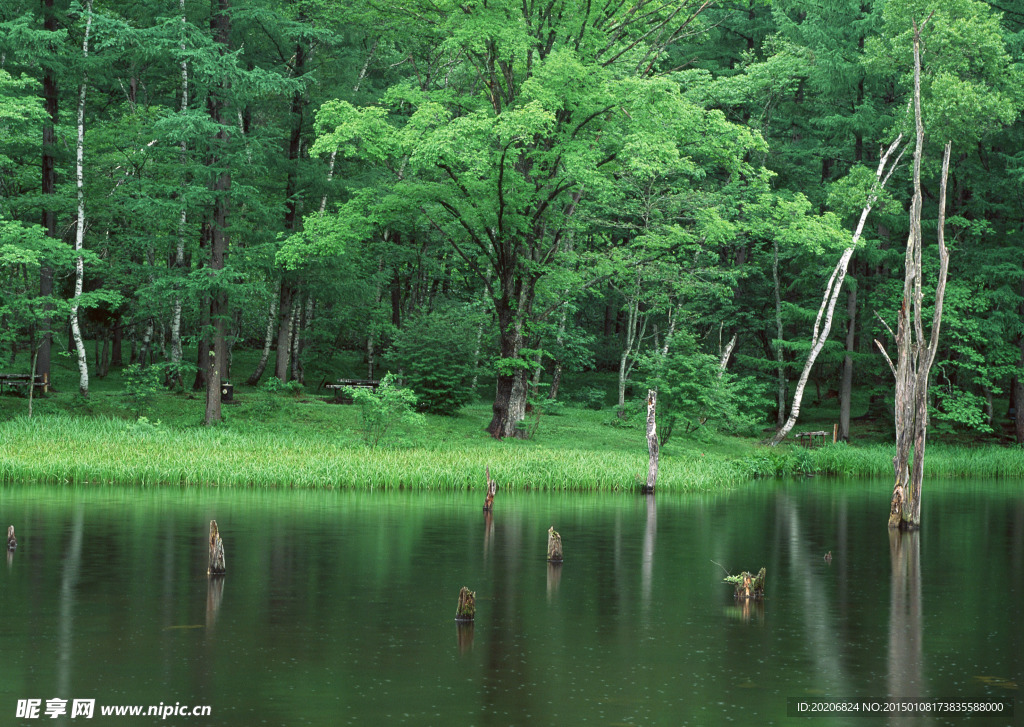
(68, 450)
(300, 439)
(61, 449)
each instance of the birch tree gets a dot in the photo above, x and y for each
(76, 331)
(823, 321)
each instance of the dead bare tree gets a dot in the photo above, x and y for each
(915, 355)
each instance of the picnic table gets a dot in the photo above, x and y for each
(21, 381)
(340, 384)
(811, 439)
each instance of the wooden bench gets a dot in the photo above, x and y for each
(812, 439)
(341, 384)
(21, 381)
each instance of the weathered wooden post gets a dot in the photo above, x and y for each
(12, 542)
(492, 489)
(466, 610)
(554, 546)
(216, 567)
(652, 441)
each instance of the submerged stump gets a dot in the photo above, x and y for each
(12, 542)
(216, 567)
(748, 586)
(554, 546)
(466, 610)
(492, 490)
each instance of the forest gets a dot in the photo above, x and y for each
(710, 199)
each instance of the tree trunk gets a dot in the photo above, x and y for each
(216, 566)
(492, 490)
(510, 391)
(631, 346)
(179, 252)
(780, 364)
(915, 355)
(286, 314)
(76, 331)
(49, 191)
(823, 322)
(846, 385)
(298, 326)
(652, 442)
(1018, 384)
(723, 361)
(220, 24)
(555, 554)
(1018, 389)
(466, 608)
(268, 341)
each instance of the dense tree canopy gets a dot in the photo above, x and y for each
(656, 189)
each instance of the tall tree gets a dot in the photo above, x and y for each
(76, 331)
(503, 163)
(916, 354)
(220, 186)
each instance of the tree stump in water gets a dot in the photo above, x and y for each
(748, 586)
(216, 567)
(12, 542)
(492, 489)
(652, 441)
(466, 610)
(554, 546)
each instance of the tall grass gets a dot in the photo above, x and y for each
(62, 449)
(68, 450)
(876, 461)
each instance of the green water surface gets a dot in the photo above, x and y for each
(338, 607)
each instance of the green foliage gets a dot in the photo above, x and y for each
(435, 353)
(694, 391)
(590, 397)
(141, 385)
(294, 389)
(382, 410)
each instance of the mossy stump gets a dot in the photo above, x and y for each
(466, 610)
(216, 567)
(554, 546)
(748, 587)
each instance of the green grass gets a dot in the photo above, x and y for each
(278, 440)
(61, 449)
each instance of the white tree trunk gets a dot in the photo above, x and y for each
(76, 331)
(631, 346)
(652, 441)
(179, 253)
(723, 362)
(823, 321)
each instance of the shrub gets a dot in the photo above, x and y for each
(436, 355)
(695, 391)
(141, 384)
(381, 410)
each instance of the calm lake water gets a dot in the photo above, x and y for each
(338, 608)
